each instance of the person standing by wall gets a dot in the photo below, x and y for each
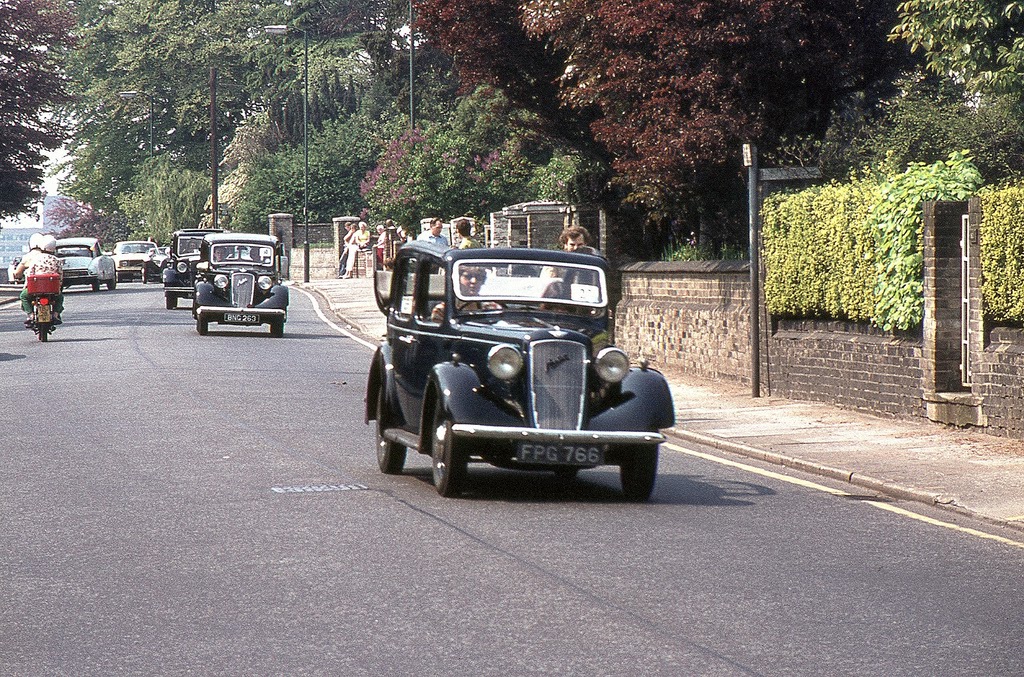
(464, 227)
(434, 234)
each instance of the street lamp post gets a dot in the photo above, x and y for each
(283, 30)
(131, 94)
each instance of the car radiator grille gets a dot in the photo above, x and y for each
(242, 288)
(558, 374)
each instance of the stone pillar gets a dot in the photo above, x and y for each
(946, 398)
(281, 226)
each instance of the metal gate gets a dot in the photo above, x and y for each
(965, 300)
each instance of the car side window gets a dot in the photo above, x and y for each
(431, 307)
(405, 294)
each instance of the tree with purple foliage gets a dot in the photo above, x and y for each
(31, 83)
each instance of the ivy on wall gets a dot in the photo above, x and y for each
(1002, 254)
(897, 226)
(854, 250)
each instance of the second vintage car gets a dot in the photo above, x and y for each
(179, 271)
(238, 282)
(85, 263)
(502, 356)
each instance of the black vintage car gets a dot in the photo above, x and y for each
(238, 282)
(179, 271)
(502, 356)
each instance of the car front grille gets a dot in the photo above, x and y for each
(242, 287)
(558, 377)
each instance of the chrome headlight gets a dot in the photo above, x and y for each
(612, 365)
(221, 282)
(182, 267)
(505, 362)
(265, 282)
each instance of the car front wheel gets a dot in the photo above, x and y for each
(202, 326)
(448, 461)
(638, 471)
(171, 302)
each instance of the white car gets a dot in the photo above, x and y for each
(131, 257)
(85, 263)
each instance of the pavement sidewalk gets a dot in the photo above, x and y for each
(962, 470)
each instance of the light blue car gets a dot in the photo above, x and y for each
(85, 263)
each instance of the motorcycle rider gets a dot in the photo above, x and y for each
(40, 259)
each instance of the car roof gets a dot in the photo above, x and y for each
(135, 242)
(503, 253)
(197, 231)
(78, 240)
(249, 238)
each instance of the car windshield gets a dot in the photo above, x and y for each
(531, 283)
(69, 251)
(134, 247)
(235, 253)
(189, 245)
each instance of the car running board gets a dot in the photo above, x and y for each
(403, 437)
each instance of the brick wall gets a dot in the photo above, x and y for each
(999, 381)
(693, 318)
(686, 316)
(847, 363)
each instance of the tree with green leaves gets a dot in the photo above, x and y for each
(981, 41)
(34, 36)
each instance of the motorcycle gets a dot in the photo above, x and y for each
(42, 290)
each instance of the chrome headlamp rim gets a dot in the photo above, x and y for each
(611, 364)
(182, 267)
(264, 282)
(505, 361)
(221, 281)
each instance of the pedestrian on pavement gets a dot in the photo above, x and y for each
(434, 234)
(346, 241)
(464, 227)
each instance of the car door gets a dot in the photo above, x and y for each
(402, 338)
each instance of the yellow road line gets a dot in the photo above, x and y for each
(837, 492)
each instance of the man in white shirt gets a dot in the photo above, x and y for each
(434, 234)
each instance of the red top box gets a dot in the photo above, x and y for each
(43, 283)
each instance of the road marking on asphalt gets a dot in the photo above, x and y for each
(332, 325)
(318, 488)
(838, 492)
(1015, 518)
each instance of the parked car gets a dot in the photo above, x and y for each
(238, 282)
(502, 356)
(130, 258)
(179, 271)
(85, 263)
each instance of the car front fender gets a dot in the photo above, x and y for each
(206, 296)
(645, 404)
(462, 396)
(380, 376)
(278, 298)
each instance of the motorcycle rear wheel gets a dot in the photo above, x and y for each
(43, 330)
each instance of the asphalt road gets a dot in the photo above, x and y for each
(174, 504)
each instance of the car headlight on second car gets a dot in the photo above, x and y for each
(612, 365)
(264, 282)
(221, 282)
(505, 362)
(182, 267)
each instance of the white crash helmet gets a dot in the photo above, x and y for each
(35, 242)
(48, 243)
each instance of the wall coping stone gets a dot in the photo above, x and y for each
(705, 267)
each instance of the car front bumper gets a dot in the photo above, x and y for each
(516, 434)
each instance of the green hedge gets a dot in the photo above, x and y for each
(818, 251)
(1002, 254)
(854, 251)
